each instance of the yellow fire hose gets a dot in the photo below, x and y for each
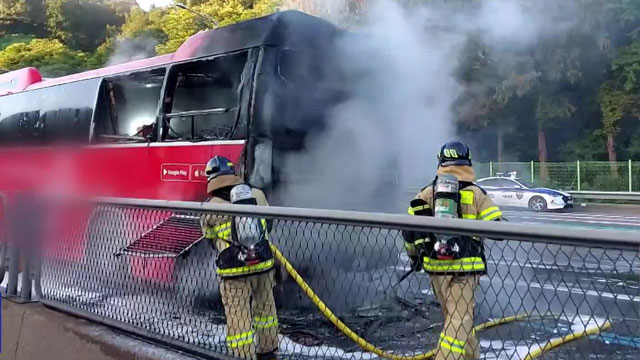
(365, 345)
(553, 343)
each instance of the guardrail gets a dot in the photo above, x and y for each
(586, 195)
(127, 271)
(606, 195)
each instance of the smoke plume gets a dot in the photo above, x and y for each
(402, 64)
(138, 48)
(384, 138)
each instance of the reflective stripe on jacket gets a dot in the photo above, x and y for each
(218, 228)
(474, 205)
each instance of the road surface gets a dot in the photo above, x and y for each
(624, 217)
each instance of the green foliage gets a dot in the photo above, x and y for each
(100, 57)
(627, 66)
(140, 23)
(7, 40)
(81, 24)
(614, 104)
(179, 24)
(551, 108)
(50, 56)
(22, 16)
(583, 81)
(588, 147)
(634, 147)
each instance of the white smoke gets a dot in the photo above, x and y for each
(384, 139)
(138, 48)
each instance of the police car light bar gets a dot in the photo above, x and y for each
(512, 174)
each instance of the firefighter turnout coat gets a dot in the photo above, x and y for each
(454, 280)
(246, 288)
(474, 205)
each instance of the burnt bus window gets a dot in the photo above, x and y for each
(206, 99)
(127, 107)
(65, 125)
(50, 115)
(20, 128)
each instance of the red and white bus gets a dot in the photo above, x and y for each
(145, 129)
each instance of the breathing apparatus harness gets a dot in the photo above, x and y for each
(248, 252)
(438, 250)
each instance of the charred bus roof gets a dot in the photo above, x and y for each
(288, 29)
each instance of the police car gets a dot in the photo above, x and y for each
(507, 190)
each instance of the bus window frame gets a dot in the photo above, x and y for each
(247, 84)
(42, 142)
(105, 79)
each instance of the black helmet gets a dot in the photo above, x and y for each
(454, 153)
(219, 165)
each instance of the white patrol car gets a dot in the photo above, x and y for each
(513, 192)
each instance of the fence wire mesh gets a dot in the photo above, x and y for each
(153, 269)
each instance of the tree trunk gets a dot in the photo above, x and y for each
(613, 156)
(611, 148)
(542, 154)
(500, 136)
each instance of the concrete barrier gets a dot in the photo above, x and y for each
(34, 332)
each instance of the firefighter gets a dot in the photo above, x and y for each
(245, 265)
(454, 263)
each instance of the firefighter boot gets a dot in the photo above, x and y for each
(456, 296)
(265, 318)
(236, 295)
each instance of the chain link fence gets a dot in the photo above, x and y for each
(571, 176)
(146, 268)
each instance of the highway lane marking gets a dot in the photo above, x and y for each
(601, 267)
(568, 213)
(587, 215)
(631, 224)
(586, 226)
(573, 216)
(561, 288)
(565, 216)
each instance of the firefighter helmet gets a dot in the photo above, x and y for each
(454, 153)
(219, 165)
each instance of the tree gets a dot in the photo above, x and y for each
(22, 17)
(50, 56)
(178, 24)
(82, 24)
(615, 104)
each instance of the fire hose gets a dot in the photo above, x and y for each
(365, 345)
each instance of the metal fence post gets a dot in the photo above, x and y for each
(532, 171)
(14, 268)
(578, 171)
(630, 177)
(490, 168)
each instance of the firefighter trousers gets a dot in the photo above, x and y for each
(250, 309)
(456, 297)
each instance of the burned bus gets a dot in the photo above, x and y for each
(253, 92)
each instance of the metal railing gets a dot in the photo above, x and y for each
(142, 266)
(606, 195)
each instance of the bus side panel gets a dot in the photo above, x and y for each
(167, 162)
(175, 172)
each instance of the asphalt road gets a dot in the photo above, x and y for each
(593, 216)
